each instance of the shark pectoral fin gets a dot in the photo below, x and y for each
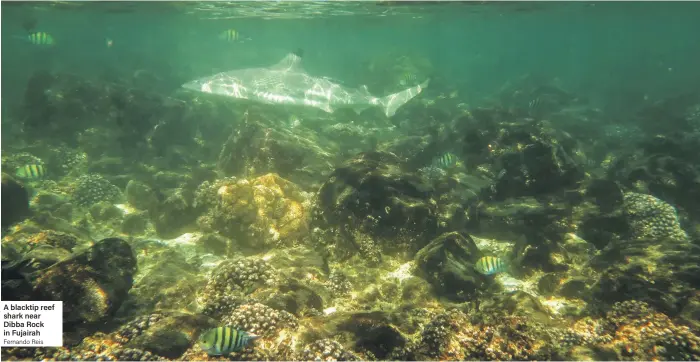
(393, 102)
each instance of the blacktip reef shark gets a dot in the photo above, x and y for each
(286, 83)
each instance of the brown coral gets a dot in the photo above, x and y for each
(263, 212)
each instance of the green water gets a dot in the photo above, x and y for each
(613, 53)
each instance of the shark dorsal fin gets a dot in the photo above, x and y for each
(291, 62)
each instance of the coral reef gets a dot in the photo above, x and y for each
(326, 350)
(258, 214)
(639, 333)
(650, 217)
(452, 336)
(260, 319)
(92, 188)
(231, 281)
(339, 237)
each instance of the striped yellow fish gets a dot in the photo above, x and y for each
(407, 78)
(446, 160)
(41, 38)
(224, 340)
(489, 265)
(232, 35)
(31, 172)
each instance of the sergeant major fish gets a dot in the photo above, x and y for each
(232, 35)
(224, 340)
(446, 160)
(30, 172)
(489, 265)
(286, 83)
(40, 38)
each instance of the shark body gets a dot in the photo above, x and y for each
(286, 83)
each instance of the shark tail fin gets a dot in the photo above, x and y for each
(393, 102)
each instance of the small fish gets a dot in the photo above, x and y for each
(446, 160)
(109, 42)
(535, 103)
(407, 79)
(31, 172)
(224, 340)
(232, 35)
(489, 265)
(40, 38)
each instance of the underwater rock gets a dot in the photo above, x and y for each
(16, 282)
(215, 244)
(169, 334)
(528, 158)
(370, 206)
(607, 195)
(175, 213)
(29, 239)
(661, 272)
(300, 290)
(663, 166)
(691, 312)
(110, 166)
(258, 214)
(601, 229)
(62, 107)
(44, 256)
(537, 252)
(135, 223)
(15, 202)
(447, 263)
(374, 334)
(92, 284)
(97, 347)
(139, 195)
(57, 204)
(515, 217)
(165, 280)
(166, 179)
(518, 303)
(105, 212)
(259, 146)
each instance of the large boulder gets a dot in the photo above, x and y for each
(15, 201)
(448, 264)
(92, 284)
(371, 205)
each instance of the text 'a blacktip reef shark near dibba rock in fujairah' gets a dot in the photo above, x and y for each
(288, 84)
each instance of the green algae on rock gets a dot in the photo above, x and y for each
(15, 204)
(447, 263)
(370, 197)
(92, 284)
